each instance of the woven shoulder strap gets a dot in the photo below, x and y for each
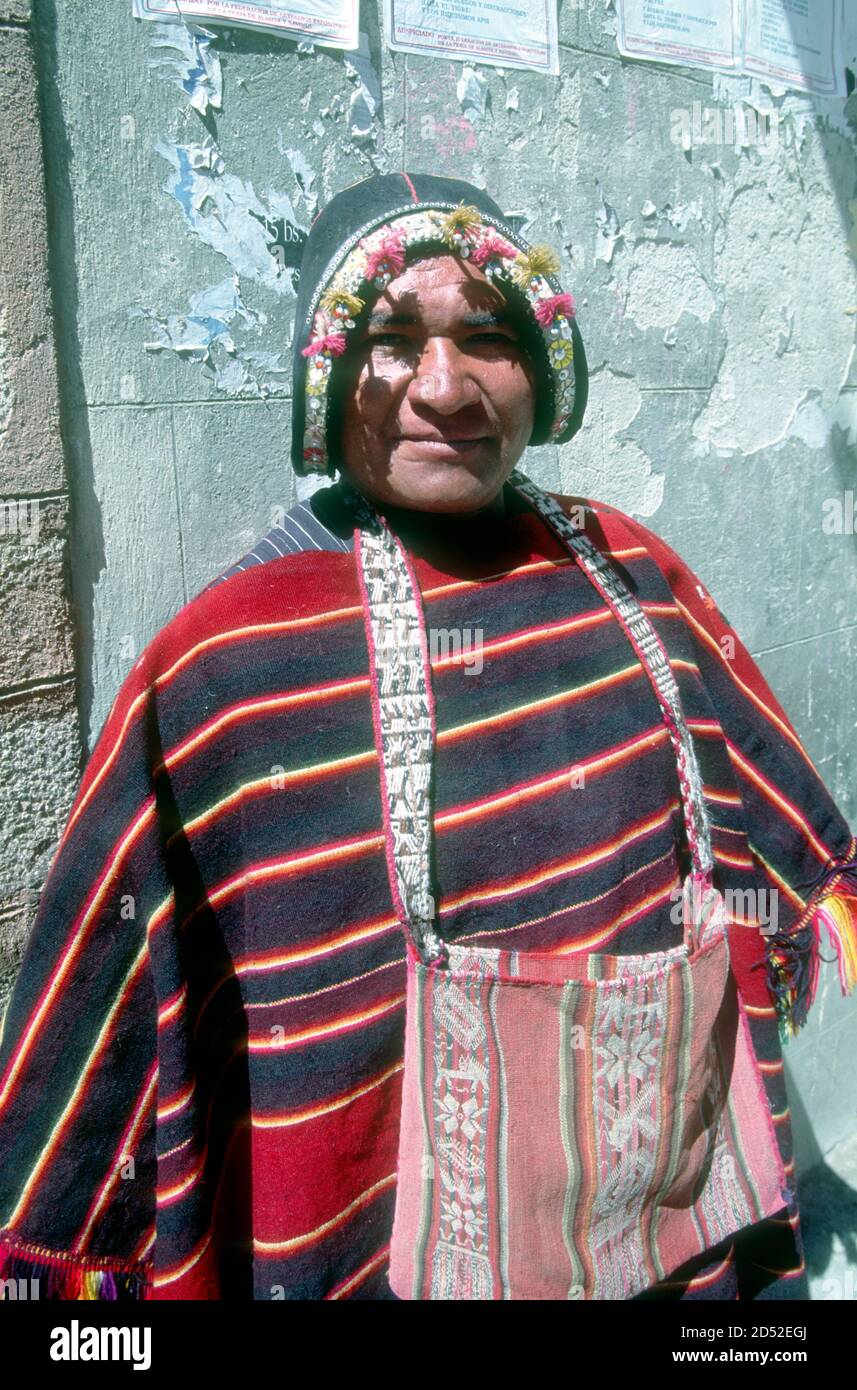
(403, 702)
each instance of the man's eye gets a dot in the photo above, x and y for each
(403, 341)
(384, 338)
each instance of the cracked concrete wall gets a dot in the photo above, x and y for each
(40, 746)
(716, 290)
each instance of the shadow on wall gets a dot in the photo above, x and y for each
(86, 555)
(827, 1197)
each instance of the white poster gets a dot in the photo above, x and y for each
(331, 23)
(795, 43)
(789, 43)
(504, 33)
(694, 33)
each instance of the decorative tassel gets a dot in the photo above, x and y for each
(387, 259)
(546, 310)
(541, 260)
(491, 245)
(792, 971)
(838, 912)
(46, 1274)
(793, 958)
(338, 295)
(458, 228)
(334, 343)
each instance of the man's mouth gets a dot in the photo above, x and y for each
(440, 444)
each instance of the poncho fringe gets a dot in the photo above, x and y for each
(55, 1274)
(794, 956)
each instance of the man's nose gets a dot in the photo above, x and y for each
(443, 379)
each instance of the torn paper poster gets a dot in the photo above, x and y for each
(795, 43)
(205, 335)
(503, 33)
(259, 374)
(207, 321)
(607, 230)
(304, 175)
(367, 99)
(193, 65)
(227, 214)
(472, 93)
(332, 23)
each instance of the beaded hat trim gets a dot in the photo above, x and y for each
(376, 257)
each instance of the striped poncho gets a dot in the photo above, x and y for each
(201, 1063)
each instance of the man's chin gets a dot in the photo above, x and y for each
(439, 485)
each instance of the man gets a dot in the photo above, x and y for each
(201, 1065)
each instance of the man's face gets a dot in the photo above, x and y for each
(440, 401)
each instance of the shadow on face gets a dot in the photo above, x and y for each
(435, 394)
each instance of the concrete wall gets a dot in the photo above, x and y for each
(716, 292)
(40, 742)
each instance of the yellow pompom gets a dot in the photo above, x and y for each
(462, 219)
(541, 260)
(329, 300)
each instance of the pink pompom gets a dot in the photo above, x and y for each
(391, 249)
(546, 310)
(334, 343)
(491, 245)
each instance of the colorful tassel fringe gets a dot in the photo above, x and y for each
(793, 957)
(42, 1274)
(839, 914)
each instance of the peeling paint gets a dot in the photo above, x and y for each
(205, 335)
(610, 21)
(677, 216)
(472, 92)
(250, 374)
(605, 465)
(366, 106)
(195, 66)
(779, 340)
(207, 321)
(608, 231)
(665, 282)
(225, 212)
(795, 111)
(304, 173)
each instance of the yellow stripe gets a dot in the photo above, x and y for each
(71, 1104)
(705, 636)
(770, 791)
(314, 1113)
(582, 861)
(260, 1044)
(71, 952)
(281, 1247)
(170, 1276)
(362, 1274)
